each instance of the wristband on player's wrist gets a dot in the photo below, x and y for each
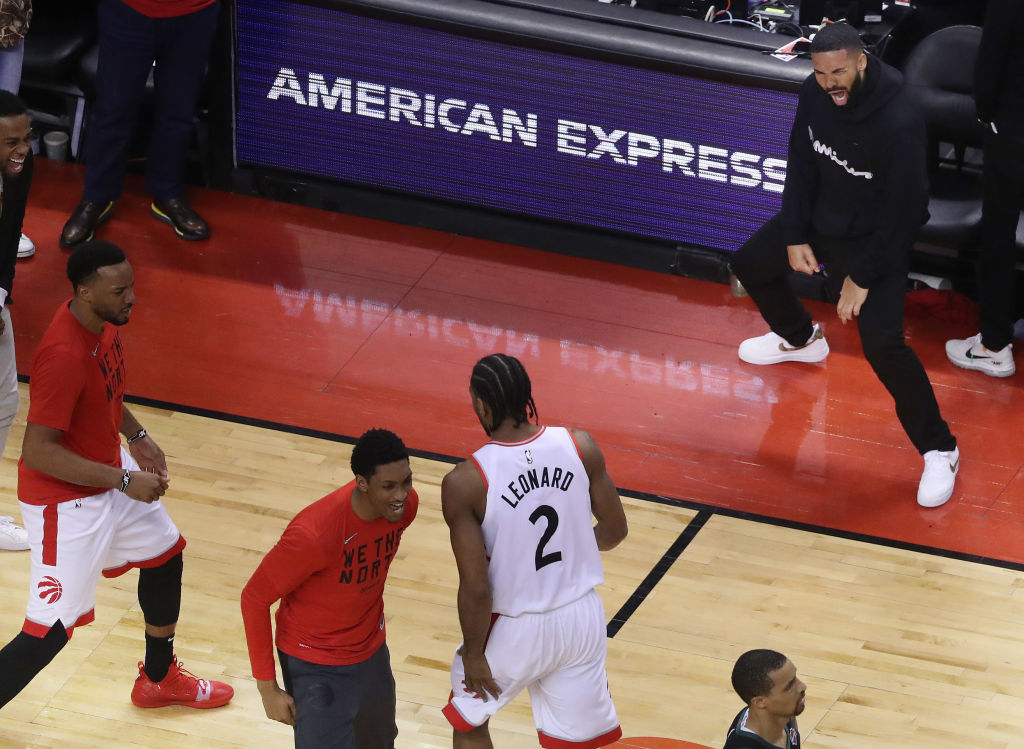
(125, 480)
(137, 436)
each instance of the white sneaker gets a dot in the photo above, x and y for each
(940, 469)
(26, 247)
(12, 537)
(771, 349)
(969, 353)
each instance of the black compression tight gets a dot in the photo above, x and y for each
(25, 656)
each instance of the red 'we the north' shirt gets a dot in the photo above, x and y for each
(328, 570)
(77, 386)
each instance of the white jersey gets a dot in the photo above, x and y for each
(537, 526)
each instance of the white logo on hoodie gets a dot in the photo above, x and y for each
(826, 150)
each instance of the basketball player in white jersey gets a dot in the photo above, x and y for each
(519, 513)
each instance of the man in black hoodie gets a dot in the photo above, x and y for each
(999, 96)
(856, 193)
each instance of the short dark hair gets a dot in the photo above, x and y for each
(377, 447)
(11, 105)
(750, 676)
(500, 381)
(89, 258)
(836, 36)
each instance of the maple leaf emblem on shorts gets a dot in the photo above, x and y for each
(50, 589)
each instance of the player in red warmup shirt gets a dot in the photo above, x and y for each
(329, 570)
(91, 507)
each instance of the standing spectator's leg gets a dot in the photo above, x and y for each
(127, 48)
(180, 70)
(8, 379)
(12, 537)
(881, 334)
(1004, 200)
(128, 43)
(762, 266)
(989, 351)
(11, 60)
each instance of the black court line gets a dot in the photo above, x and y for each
(643, 496)
(654, 576)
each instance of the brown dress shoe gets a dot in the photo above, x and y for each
(81, 227)
(186, 222)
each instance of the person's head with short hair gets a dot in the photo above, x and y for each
(839, 60)
(103, 284)
(15, 134)
(501, 391)
(766, 681)
(380, 462)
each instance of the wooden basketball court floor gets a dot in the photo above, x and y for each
(769, 507)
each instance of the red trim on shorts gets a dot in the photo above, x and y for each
(50, 535)
(550, 742)
(148, 563)
(480, 470)
(455, 717)
(40, 630)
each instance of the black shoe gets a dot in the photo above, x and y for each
(186, 222)
(81, 227)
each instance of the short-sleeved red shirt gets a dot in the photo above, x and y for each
(167, 8)
(328, 569)
(76, 386)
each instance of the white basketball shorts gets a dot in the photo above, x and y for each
(559, 657)
(74, 542)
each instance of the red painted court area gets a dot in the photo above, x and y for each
(330, 322)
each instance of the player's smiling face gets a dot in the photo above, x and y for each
(15, 143)
(387, 490)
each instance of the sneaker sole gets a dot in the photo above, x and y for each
(184, 703)
(972, 366)
(795, 356)
(161, 216)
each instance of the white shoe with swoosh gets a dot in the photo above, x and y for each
(940, 470)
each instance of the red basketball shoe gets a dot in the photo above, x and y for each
(179, 687)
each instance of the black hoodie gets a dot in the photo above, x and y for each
(858, 172)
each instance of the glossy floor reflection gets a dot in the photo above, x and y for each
(336, 323)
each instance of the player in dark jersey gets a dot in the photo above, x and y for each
(767, 682)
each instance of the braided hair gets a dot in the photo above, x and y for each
(500, 381)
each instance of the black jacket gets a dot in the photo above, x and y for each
(858, 172)
(999, 70)
(12, 214)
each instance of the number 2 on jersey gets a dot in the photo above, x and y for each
(548, 513)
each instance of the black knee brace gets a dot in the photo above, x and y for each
(160, 592)
(25, 656)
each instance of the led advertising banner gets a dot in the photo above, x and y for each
(339, 96)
